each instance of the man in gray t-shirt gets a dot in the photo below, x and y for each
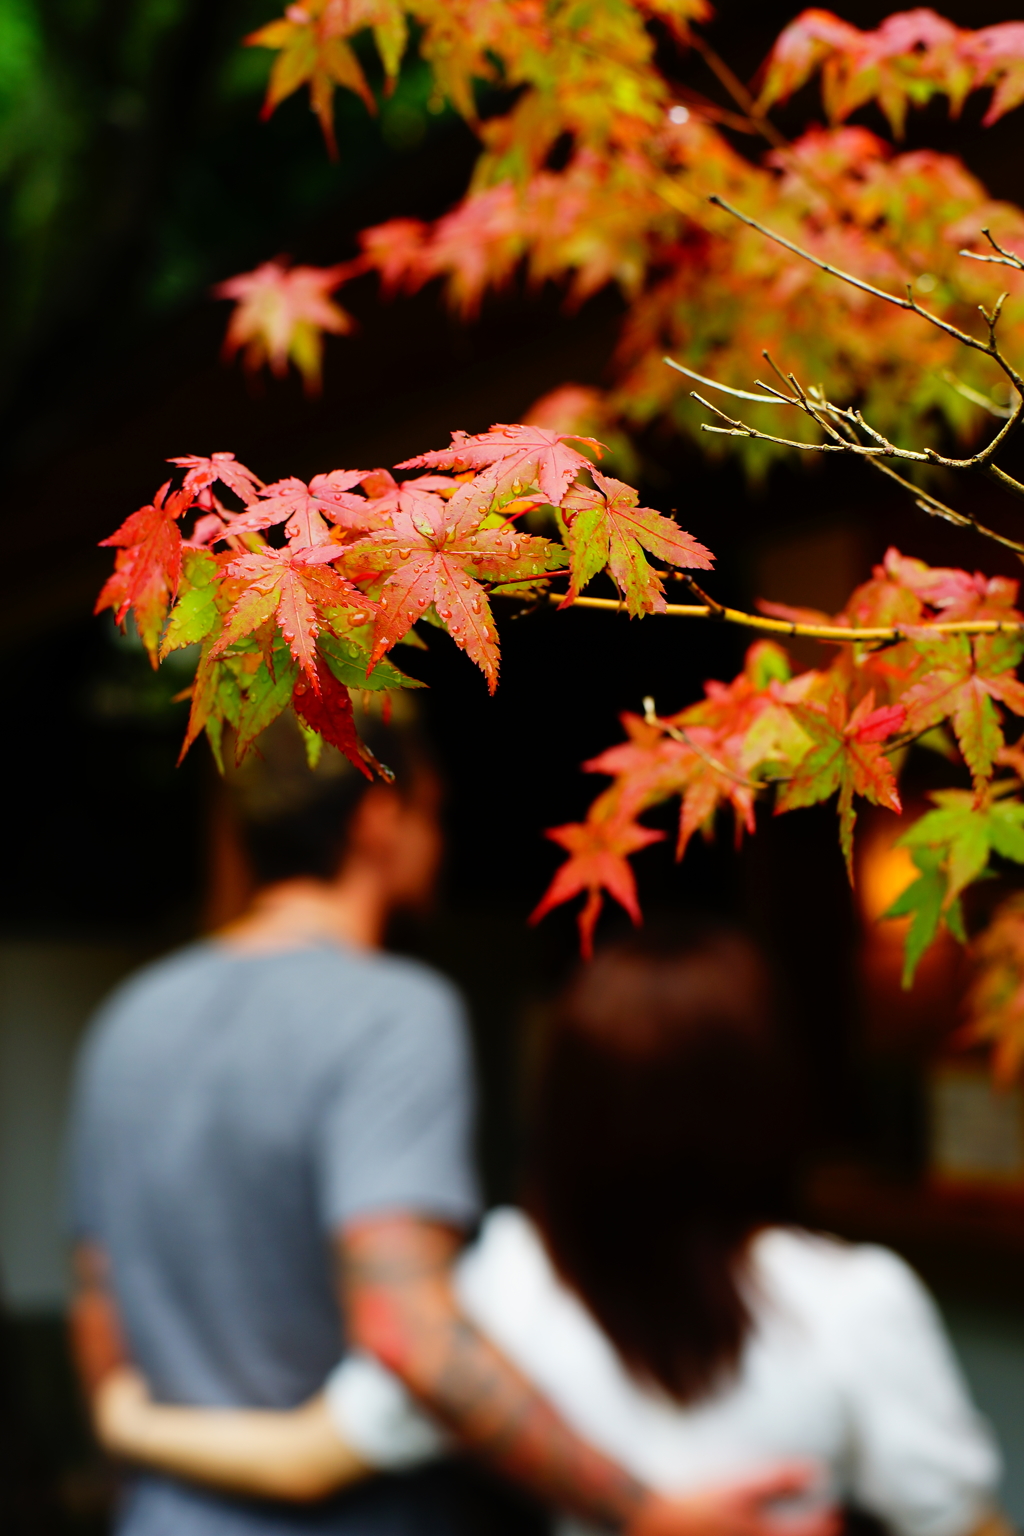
(271, 1163)
(234, 1111)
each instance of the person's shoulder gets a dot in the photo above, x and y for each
(167, 975)
(508, 1256)
(832, 1278)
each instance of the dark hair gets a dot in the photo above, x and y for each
(660, 1144)
(293, 819)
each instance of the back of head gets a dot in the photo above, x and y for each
(661, 1142)
(293, 815)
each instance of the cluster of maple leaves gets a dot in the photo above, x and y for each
(295, 595)
(598, 166)
(627, 202)
(298, 592)
(804, 738)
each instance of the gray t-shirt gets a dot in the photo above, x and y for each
(232, 1111)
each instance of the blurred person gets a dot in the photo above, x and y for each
(655, 1289)
(271, 1165)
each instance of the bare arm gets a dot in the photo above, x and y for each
(399, 1305)
(97, 1345)
(295, 1454)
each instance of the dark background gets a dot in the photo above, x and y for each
(134, 174)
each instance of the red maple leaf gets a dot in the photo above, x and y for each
(148, 565)
(327, 708)
(606, 527)
(437, 552)
(956, 687)
(296, 588)
(846, 755)
(302, 508)
(201, 473)
(518, 455)
(597, 862)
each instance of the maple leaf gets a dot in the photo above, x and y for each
(952, 846)
(598, 850)
(295, 588)
(994, 1004)
(268, 692)
(148, 564)
(349, 660)
(924, 902)
(327, 709)
(302, 508)
(201, 473)
(847, 756)
(910, 57)
(310, 39)
(281, 313)
(216, 701)
(438, 553)
(953, 687)
(518, 456)
(195, 613)
(606, 527)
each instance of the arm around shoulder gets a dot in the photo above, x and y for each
(295, 1455)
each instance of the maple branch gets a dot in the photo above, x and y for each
(840, 633)
(975, 396)
(726, 389)
(1003, 257)
(990, 348)
(849, 420)
(754, 114)
(677, 733)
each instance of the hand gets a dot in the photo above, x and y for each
(740, 1509)
(118, 1403)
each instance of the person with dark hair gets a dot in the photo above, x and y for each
(272, 1165)
(654, 1287)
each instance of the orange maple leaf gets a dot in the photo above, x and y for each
(281, 313)
(148, 565)
(597, 862)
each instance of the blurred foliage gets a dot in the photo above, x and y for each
(134, 170)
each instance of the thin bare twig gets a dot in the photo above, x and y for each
(1002, 258)
(677, 733)
(844, 438)
(726, 389)
(975, 396)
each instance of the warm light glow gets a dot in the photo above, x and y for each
(885, 872)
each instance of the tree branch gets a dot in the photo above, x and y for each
(840, 633)
(1003, 257)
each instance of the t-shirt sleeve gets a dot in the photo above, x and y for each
(397, 1132)
(378, 1419)
(923, 1459)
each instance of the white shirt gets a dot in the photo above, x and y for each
(847, 1364)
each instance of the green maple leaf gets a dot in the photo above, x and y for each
(195, 614)
(924, 902)
(349, 658)
(951, 847)
(269, 692)
(216, 699)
